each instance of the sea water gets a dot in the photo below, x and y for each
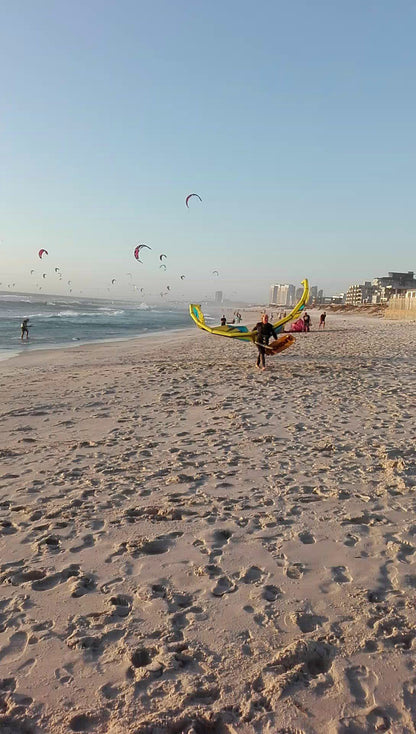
(62, 321)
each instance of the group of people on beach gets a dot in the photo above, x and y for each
(236, 319)
(307, 323)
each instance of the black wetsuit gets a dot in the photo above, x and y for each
(264, 332)
(25, 329)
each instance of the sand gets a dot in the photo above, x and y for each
(190, 545)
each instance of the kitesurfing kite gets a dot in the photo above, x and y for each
(44, 275)
(162, 256)
(137, 251)
(57, 270)
(162, 266)
(31, 272)
(42, 252)
(168, 287)
(182, 277)
(189, 196)
(113, 281)
(243, 332)
(215, 272)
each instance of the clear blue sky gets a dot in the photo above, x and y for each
(294, 121)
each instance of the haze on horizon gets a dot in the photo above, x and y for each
(293, 122)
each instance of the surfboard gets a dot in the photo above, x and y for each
(279, 345)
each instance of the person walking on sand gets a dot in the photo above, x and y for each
(264, 332)
(223, 320)
(24, 326)
(322, 320)
(306, 322)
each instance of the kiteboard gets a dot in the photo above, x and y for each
(279, 345)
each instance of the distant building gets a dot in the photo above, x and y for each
(392, 284)
(218, 296)
(287, 295)
(274, 289)
(359, 293)
(380, 290)
(320, 298)
(298, 295)
(313, 295)
(282, 294)
(338, 298)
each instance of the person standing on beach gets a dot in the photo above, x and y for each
(264, 332)
(223, 320)
(25, 328)
(306, 322)
(322, 320)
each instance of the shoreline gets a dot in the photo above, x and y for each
(5, 356)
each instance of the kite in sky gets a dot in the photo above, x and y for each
(42, 252)
(189, 196)
(137, 251)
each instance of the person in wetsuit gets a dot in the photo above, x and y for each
(223, 320)
(264, 332)
(25, 328)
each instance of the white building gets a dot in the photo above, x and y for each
(273, 295)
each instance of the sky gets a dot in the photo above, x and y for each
(293, 121)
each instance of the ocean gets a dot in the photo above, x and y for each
(61, 321)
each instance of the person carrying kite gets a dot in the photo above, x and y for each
(264, 332)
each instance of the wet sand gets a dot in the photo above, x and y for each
(190, 545)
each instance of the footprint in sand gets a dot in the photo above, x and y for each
(83, 585)
(65, 674)
(361, 682)
(88, 721)
(179, 601)
(351, 540)
(409, 696)
(107, 586)
(46, 583)
(15, 648)
(341, 575)
(220, 538)
(142, 656)
(120, 605)
(308, 622)
(271, 593)
(295, 571)
(253, 575)
(377, 720)
(306, 537)
(87, 542)
(405, 551)
(223, 586)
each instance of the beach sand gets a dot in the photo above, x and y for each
(190, 545)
